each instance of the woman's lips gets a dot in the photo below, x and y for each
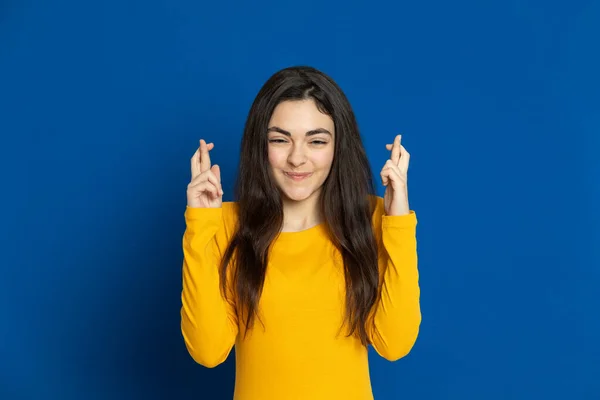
(297, 177)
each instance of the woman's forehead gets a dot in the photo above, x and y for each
(300, 117)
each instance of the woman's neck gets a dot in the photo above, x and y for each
(301, 215)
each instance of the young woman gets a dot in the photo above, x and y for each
(308, 267)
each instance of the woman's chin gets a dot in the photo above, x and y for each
(297, 195)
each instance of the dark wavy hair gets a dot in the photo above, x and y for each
(347, 199)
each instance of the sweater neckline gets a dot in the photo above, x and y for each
(305, 233)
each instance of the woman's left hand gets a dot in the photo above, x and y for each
(394, 177)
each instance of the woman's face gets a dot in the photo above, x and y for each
(301, 144)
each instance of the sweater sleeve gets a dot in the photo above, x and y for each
(208, 321)
(397, 314)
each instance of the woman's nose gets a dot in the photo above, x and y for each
(297, 155)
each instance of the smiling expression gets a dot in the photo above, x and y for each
(301, 148)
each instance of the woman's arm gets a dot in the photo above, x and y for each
(397, 314)
(208, 321)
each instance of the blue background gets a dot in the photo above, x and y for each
(103, 103)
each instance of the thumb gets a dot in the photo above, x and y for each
(217, 171)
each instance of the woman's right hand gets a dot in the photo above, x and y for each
(204, 189)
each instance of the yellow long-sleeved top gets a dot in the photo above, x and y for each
(300, 353)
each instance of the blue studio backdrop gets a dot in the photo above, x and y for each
(103, 103)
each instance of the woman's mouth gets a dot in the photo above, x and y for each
(297, 176)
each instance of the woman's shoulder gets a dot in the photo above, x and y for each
(376, 204)
(230, 210)
(229, 207)
(230, 213)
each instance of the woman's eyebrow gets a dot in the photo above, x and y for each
(309, 133)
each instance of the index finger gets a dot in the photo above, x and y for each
(195, 164)
(204, 156)
(396, 150)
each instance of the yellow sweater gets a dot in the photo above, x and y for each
(300, 353)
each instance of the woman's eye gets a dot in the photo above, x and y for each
(315, 142)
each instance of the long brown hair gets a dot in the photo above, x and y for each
(346, 199)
